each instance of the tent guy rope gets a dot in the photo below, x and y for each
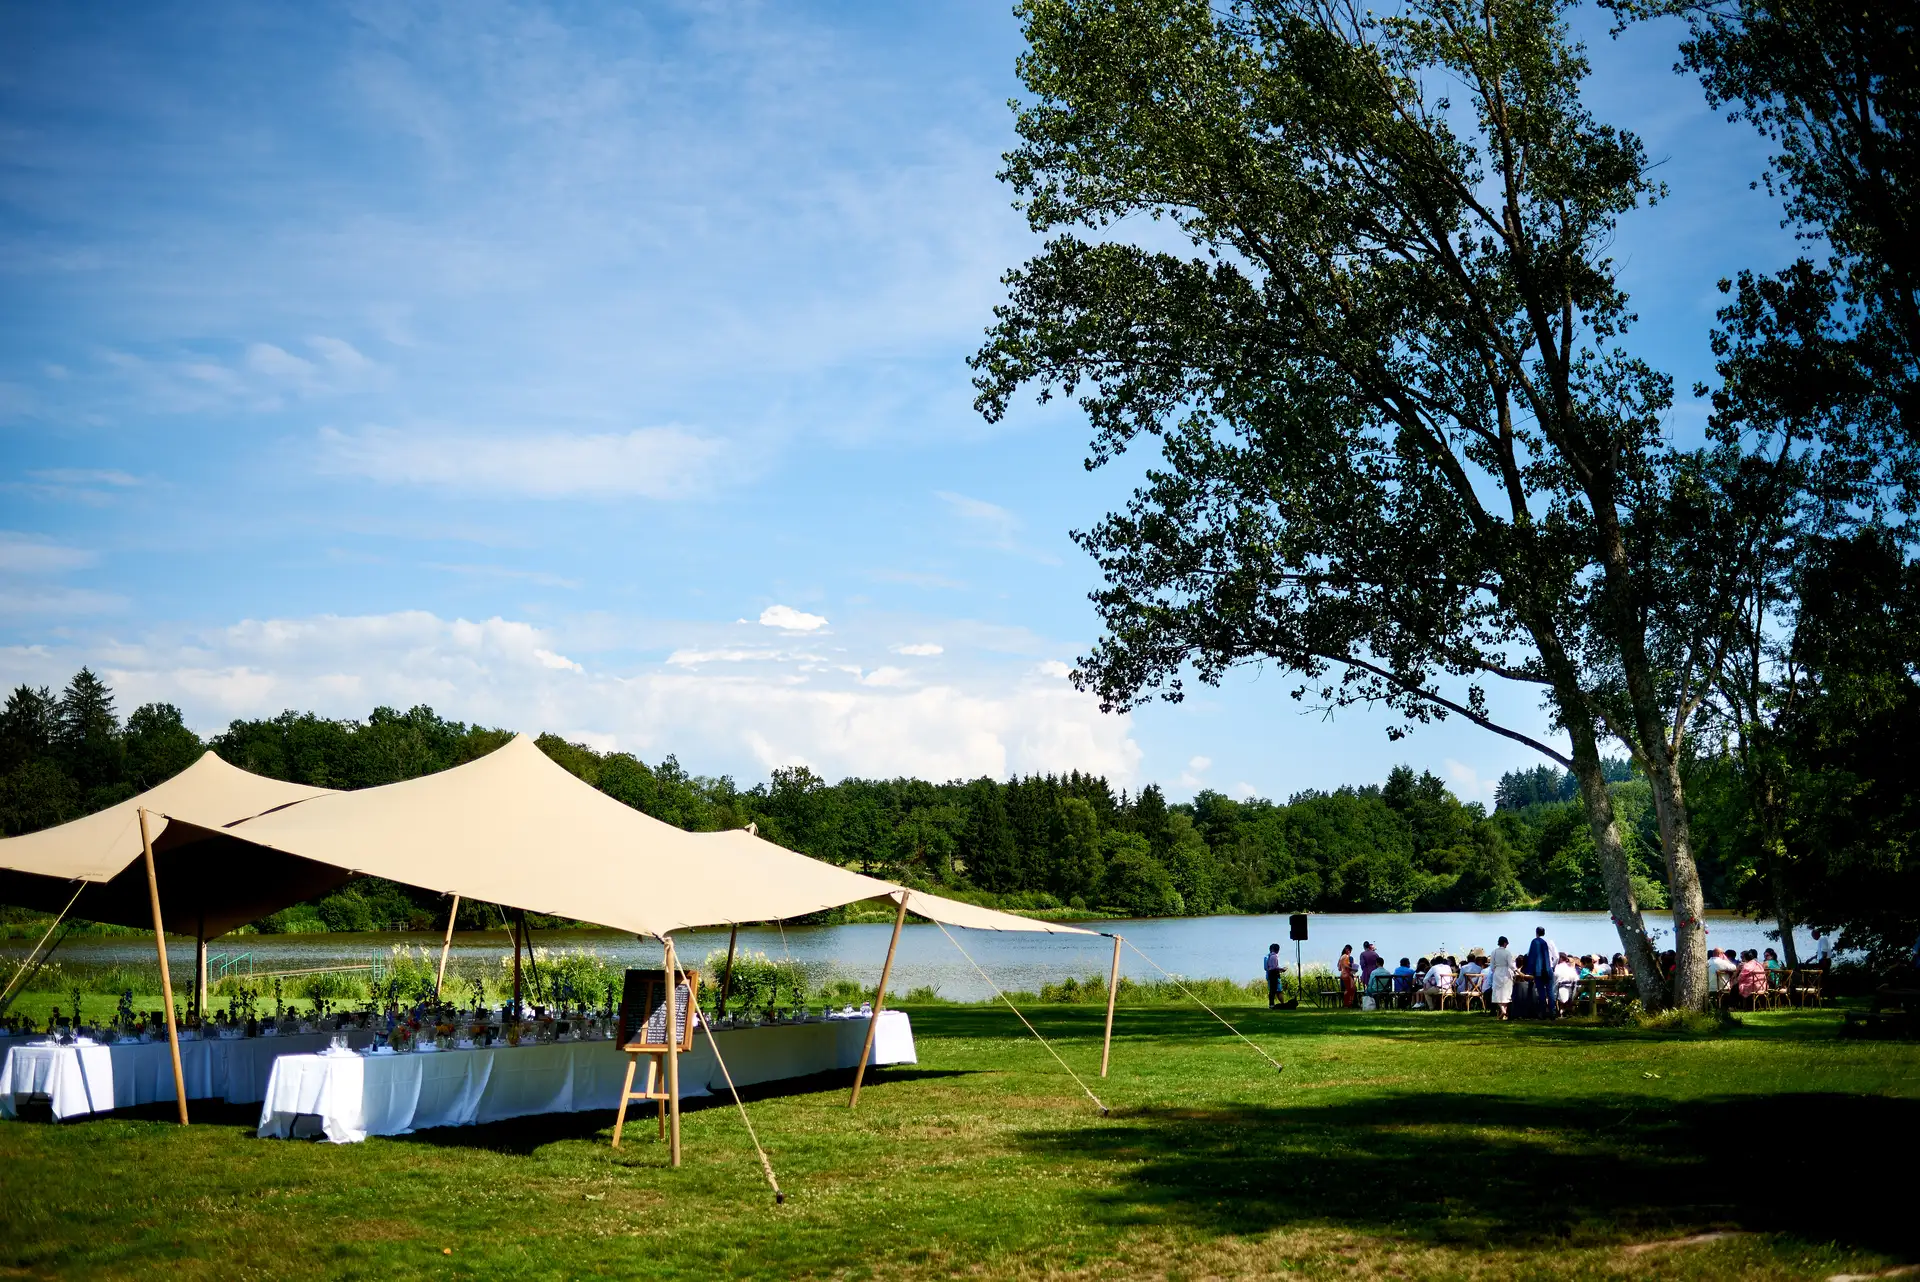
(1023, 1019)
(1278, 1066)
(721, 1060)
(28, 971)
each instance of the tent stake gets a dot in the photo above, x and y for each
(1113, 991)
(879, 1002)
(166, 980)
(445, 944)
(726, 975)
(673, 1055)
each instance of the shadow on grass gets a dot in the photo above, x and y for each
(1491, 1170)
(524, 1135)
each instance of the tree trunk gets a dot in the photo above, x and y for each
(1683, 886)
(1622, 903)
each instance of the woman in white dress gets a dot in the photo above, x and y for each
(1500, 977)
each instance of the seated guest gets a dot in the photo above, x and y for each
(1566, 979)
(1772, 959)
(1402, 978)
(1600, 968)
(1668, 960)
(1619, 965)
(1720, 970)
(1472, 975)
(1752, 975)
(1438, 984)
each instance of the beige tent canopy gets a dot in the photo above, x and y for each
(209, 881)
(515, 828)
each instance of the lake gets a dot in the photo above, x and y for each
(1187, 946)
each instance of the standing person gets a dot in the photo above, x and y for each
(1540, 961)
(1274, 971)
(1370, 961)
(1823, 950)
(1500, 978)
(1348, 994)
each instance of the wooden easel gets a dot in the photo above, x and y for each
(649, 1008)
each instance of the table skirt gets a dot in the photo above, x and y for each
(355, 1096)
(93, 1079)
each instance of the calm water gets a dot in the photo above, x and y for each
(1188, 946)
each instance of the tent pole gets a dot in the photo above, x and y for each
(166, 980)
(519, 923)
(726, 975)
(1113, 991)
(673, 1053)
(445, 944)
(200, 971)
(879, 1002)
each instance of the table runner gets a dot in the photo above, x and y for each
(360, 1095)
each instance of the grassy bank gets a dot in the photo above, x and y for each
(1408, 1145)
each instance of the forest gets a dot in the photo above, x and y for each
(1042, 843)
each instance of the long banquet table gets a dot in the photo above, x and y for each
(355, 1095)
(94, 1078)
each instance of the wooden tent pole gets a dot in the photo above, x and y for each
(519, 920)
(726, 974)
(445, 944)
(879, 1002)
(1113, 991)
(166, 980)
(673, 1054)
(200, 971)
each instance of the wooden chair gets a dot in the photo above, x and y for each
(1806, 986)
(1473, 988)
(643, 1031)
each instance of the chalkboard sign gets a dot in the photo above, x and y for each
(643, 1010)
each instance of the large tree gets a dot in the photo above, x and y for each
(1406, 454)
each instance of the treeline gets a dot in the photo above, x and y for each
(1063, 842)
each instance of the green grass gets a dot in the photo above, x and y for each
(1404, 1145)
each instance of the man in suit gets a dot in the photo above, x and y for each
(1540, 962)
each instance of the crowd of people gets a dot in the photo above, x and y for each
(1537, 981)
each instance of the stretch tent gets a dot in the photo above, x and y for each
(515, 828)
(209, 881)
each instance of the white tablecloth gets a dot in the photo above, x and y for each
(360, 1095)
(92, 1079)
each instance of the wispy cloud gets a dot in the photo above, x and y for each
(991, 526)
(539, 577)
(920, 649)
(648, 462)
(34, 554)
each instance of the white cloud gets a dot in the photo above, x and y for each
(1054, 668)
(791, 620)
(1199, 764)
(920, 649)
(648, 462)
(886, 677)
(558, 662)
(1246, 790)
(31, 554)
(1468, 782)
(1196, 767)
(508, 673)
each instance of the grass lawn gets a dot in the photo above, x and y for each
(1402, 1145)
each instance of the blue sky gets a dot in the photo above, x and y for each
(601, 369)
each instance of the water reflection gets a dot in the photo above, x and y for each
(1196, 946)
